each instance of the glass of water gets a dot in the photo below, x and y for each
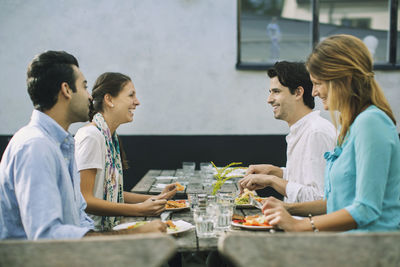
(224, 210)
(180, 177)
(193, 201)
(204, 223)
(206, 173)
(188, 168)
(205, 169)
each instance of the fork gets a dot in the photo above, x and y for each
(255, 202)
(165, 215)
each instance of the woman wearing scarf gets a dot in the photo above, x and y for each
(101, 160)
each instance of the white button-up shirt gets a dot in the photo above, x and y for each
(309, 138)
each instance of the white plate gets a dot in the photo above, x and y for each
(181, 225)
(251, 227)
(160, 178)
(174, 209)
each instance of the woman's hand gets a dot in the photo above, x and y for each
(168, 192)
(155, 226)
(254, 182)
(278, 216)
(152, 207)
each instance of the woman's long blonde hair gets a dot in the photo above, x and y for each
(345, 64)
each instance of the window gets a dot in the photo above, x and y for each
(272, 30)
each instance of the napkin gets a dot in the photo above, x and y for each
(166, 178)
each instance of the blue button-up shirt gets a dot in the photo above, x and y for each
(39, 184)
(363, 175)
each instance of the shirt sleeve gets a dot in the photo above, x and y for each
(284, 173)
(38, 194)
(86, 221)
(316, 144)
(88, 151)
(373, 144)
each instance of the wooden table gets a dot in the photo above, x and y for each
(186, 241)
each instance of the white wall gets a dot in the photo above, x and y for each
(181, 55)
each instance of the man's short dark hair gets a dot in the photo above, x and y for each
(46, 73)
(293, 75)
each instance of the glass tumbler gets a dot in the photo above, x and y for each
(204, 222)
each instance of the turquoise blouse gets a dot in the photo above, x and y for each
(363, 175)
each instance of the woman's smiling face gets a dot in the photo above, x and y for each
(320, 89)
(125, 103)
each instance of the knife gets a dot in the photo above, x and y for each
(165, 215)
(255, 202)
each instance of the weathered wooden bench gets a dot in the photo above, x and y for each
(311, 249)
(130, 250)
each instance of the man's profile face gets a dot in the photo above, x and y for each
(80, 101)
(281, 100)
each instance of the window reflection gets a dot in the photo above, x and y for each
(398, 35)
(366, 19)
(273, 30)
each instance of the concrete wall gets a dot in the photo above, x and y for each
(181, 55)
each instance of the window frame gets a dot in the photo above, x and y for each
(391, 64)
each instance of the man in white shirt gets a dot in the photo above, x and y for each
(309, 138)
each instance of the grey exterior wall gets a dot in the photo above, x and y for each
(181, 55)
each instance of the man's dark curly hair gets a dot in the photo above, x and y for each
(293, 75)
(46, 73)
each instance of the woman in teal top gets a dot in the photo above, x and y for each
(362, 177)
(362, 174)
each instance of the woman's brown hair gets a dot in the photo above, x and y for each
(109, 83)
(345, 64)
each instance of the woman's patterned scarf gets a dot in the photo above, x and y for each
(113, 177)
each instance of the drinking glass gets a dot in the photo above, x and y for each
(205, 168)
(224, 210)
(204, 222)
(180, 177)
(193, 201)
(212, 205)
(206, 173)
(226, 197)
(188, 169)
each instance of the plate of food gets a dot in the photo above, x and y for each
(244, 201)
(179, 187)
(173, 227)
(179, 204)
(252, 222)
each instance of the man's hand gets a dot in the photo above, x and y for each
(254, 182)
(168, 192)
(152, 207)
(264, 169)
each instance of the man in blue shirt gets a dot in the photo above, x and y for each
(39, 184)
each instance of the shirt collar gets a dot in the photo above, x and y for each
(298, 125)
(50, 126)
